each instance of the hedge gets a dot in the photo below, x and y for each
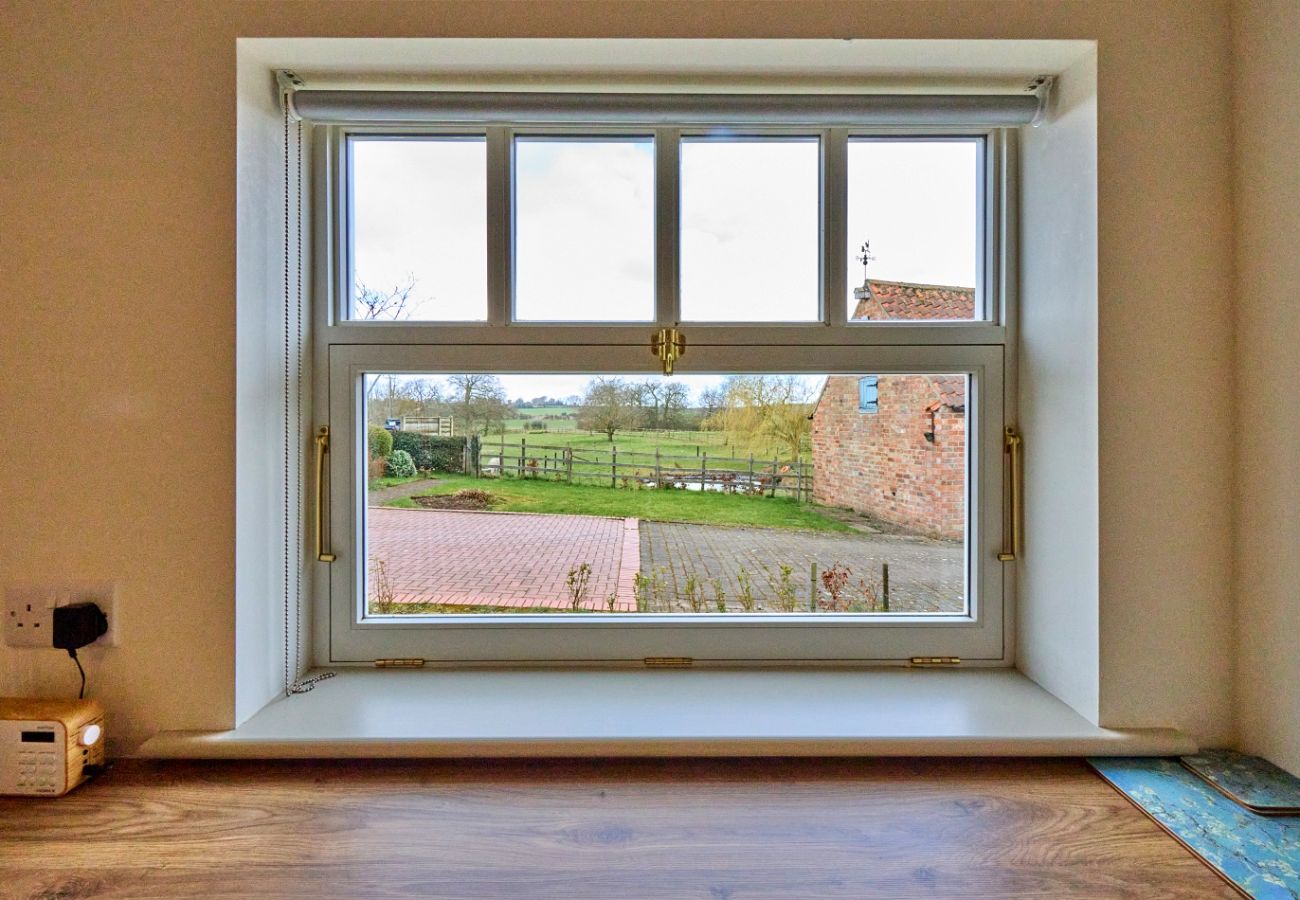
(381, 442)
(430, 451)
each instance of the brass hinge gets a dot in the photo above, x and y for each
(399, 663)
(668, 662)
(935, 660)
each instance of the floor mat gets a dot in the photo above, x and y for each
(1255, 783)
(1259, 854)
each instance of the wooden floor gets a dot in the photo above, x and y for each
(614, 830)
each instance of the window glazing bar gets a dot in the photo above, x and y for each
(500, 233)
(555, 108)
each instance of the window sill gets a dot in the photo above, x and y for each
(521, 713)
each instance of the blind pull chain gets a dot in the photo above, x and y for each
(292, 408)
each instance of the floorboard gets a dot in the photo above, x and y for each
(716, 829)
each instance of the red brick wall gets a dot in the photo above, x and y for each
(881, 464)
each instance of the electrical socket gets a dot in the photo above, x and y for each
(29, 616)
(29, 610)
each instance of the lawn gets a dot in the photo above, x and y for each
(388, 481)
(525, 495)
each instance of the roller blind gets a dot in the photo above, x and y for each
(523, 107)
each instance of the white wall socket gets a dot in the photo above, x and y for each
(29, 610)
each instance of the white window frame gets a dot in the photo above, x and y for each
(345, 350)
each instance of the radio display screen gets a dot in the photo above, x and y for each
(38, 737)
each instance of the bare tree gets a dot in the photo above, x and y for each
(610, 405)
(479, 401)
(388, 305)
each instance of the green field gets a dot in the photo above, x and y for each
(526, 495)
(566, 423)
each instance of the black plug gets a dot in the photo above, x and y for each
(77, 625)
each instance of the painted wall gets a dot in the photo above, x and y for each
(1058, 584)
(118, 165)
(1266, 108)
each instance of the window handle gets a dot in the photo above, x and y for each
(322, 448)
(669, 345)
(1013, 540)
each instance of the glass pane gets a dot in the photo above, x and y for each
(701, 494)
(913, 213)
(584, 230)
(419, 229)
(750, 239)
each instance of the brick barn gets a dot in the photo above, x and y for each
(894, 446)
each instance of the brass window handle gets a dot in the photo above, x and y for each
(669, 345)
(1014, 540)
(322, 448)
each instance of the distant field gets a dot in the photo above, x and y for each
(563, 418)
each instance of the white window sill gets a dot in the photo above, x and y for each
(880, 712)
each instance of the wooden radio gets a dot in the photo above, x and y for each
(48, 747)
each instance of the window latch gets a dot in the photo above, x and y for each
(669, 345)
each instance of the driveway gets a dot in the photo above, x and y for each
(924, 575)
(502, 559)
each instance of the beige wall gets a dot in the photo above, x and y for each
(118, 168)
(1266, 35)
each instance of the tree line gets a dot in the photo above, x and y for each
(754, 410)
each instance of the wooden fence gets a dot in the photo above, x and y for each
(629, 469)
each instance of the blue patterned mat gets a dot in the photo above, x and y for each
(1253, 782)
(1260, 854)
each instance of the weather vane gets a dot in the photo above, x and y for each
(865, 256)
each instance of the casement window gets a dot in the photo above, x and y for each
(738, 510)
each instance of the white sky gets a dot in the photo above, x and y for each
(585, 226)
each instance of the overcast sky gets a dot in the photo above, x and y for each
(562, 386)
(585, 224)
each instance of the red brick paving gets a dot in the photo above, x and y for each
(511, 560)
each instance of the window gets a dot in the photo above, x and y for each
(869, 394)
(584, 229)
(512, 476)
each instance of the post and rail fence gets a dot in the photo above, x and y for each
(772, 477)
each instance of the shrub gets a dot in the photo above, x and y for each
(431, 451)
(380, 441)
(400, 464)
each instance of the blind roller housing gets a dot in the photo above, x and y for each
(732, 110)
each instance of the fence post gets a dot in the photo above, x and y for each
(704, 473)
(613, 467)
(884, 585)
(568, 464)
(523, 447)
(812, 593)
(501, 457)
(773, 487)
(750, 488)
(659, 478)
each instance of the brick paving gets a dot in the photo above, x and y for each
(522, 561)
(510, 560)
(925, 575)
